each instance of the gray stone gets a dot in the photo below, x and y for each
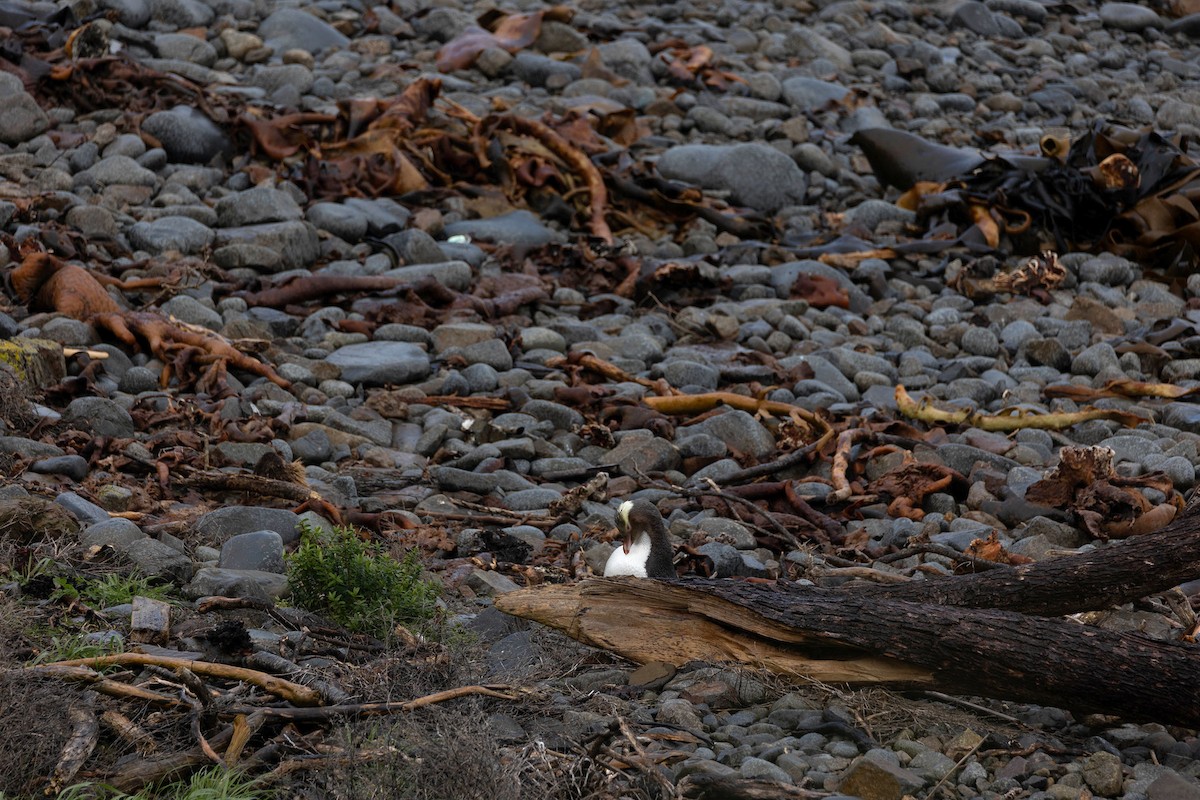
(22, 119)
(493, 352)
(980, 342)
(871, 213)
(460, 334)
(295, 241)
(344, 222)
(727, 560)
(454, 479)
(1102, 772)
(137, 380)
(214, 581)
(962, 457)
(1132, 17)
(218, 526)
(931, 765)
(756, 175)
(183, 234)
(255, 206)
(531, 499)
(73, 467)
(192, 311)
(157, 560)
(454, 274)
(1172, 786)
(640, 455)
(116, 170)
(113, 532)
(130, 13)
(489, 583)
(377, 363)
(627, 57)
(740, 431)
(182, 47)
(28, 448)
(535, 68)
(293, 79)
(415, 246)
(691, 373)
(753, 768)
(680, 713)
(1095, 359)
(83, 510)
(102, 416)
(292, 29)
(876, 775)
(258, 550)
(384, 215)
(1180, 470)
(516, 227)
(181, 13)
(810, 94)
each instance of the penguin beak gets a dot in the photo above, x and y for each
(628, 543)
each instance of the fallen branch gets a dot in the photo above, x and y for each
(1121, 387)
(292, 692)
(699, 403)
(85, 734)
(859, 637)
(1010, 419)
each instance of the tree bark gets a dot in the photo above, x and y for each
(848, 638)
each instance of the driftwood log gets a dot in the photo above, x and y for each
(993, 633)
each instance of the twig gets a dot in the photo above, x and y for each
(776, 525)
(953, 769)
(958, 701)
(394, 707)
(792, 459)
(939, 550)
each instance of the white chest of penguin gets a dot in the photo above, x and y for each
(631, 563)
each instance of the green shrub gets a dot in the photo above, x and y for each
(357, 584)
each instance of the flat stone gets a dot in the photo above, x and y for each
(157, 560)
(220, 525)
(255, 206)
(214, 581)
(183, 234)
(489, 583)
(871, 777)
(377, 363)
(516, 227)
(756, 175)
(290, 28)
(740, 432)
(73, 467)
(103, 417)
(114, 532)
(644, 454)
(257, 550)
(295, 241)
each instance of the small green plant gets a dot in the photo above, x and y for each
(76, 645)
(211, 783)
(114, 589)
(357, 584)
